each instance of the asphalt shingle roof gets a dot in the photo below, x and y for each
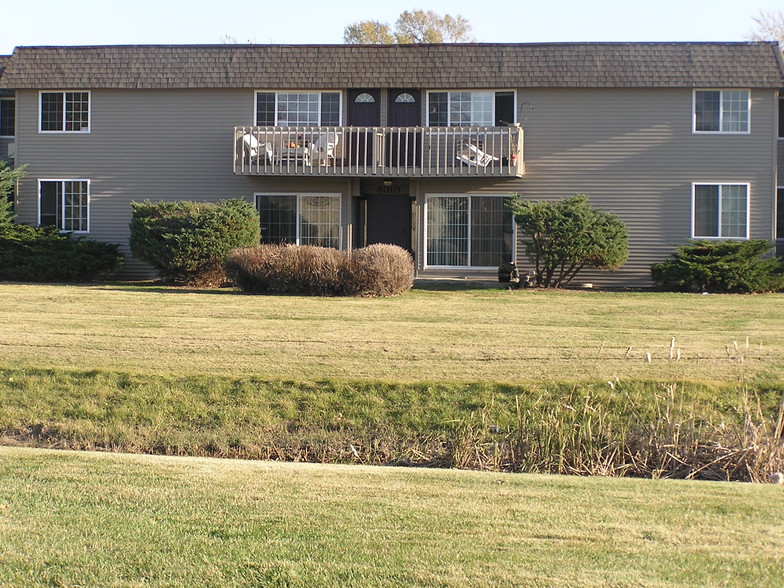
(565, 65)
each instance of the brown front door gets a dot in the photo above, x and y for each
(405, 110)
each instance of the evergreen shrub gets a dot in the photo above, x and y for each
(187, 242)
(561, 238)
(42, 254)
(721, 267)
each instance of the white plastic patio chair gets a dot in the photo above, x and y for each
(252, 146)
(324, 147)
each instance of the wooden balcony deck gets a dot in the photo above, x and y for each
(380, 152)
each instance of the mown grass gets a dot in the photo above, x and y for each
(468, 335)
(86, 519)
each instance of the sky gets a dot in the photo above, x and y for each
(131, 22)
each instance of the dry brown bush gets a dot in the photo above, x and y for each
(378, 270)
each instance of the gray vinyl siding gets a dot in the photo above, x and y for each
(631, 150)
(147, 144)
(634, 153)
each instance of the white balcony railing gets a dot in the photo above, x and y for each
(379, 151)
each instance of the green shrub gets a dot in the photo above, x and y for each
(721, 266)
(378, 270)
(8, 178)
(42, 254)
(562, 238)
(187, 242)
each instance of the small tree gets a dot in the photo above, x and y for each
(187, 242)
(8, 178)
(562, 238)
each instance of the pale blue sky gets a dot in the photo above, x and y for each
(91, 22)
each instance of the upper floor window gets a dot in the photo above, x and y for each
(65, 112)
(470, 108)
(720, 210)
(287, 109)
(721, 111)
(64, 204)
(7, 117)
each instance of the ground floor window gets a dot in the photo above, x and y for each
(720, 210)
(468, 231)
(300, 219)
(64, 204)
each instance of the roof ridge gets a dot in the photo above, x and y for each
(320, 66)
(382, 46)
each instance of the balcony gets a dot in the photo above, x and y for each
(379, 152)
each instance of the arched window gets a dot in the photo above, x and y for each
(364, 97)
(405, 97)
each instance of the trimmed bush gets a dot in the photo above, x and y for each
(187, 242)
(561, 238)
(42, 254)
(378, 270)
(721, 267)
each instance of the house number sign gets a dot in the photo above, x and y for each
(388, 190)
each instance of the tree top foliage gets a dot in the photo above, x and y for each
(768, 26)
(414, 26)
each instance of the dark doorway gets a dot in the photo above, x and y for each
(504, 108)
(405, 110)
(364, 110)
(389, 219)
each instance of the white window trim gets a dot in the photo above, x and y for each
(290, 91)
(449, 110)
(464, 267)
(64, 132)
(721, 111)
(9, 99)
(694, 212)
(61, 221)
(301, 195)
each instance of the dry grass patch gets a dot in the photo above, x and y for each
(487, 335)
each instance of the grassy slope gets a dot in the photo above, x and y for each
(168, 521)
(372, 423)
(463, 335)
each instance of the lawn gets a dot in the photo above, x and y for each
(88, 519)
(573, 381)
(461, 335)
